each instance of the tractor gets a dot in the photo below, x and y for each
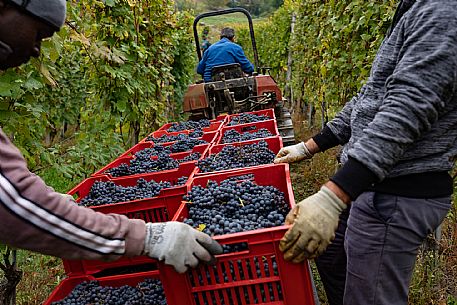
(231, 91)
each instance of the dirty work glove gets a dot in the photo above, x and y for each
(314, 222)
(293, 153)
(67, 196)
(179, 245)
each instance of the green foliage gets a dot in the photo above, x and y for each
(334, 45)
(114, 73)
(272, 40)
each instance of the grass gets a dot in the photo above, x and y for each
(41, 274)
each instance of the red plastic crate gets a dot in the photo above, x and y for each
(155, 209)
(82, 190)
(68, 284)
(274, 144)
(222, 117)
(248, 276)
(202, 149)
(215, 125)
(209, 137)
(270, 125)
(267, 112)
(158, 209)
(76, 268)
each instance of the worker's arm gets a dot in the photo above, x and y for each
(35, 217)
(336, 132)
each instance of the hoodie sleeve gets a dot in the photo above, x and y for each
(36, 218)
(337, 131)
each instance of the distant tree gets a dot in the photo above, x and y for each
(185, 5)
(257, 7)
(216, 4)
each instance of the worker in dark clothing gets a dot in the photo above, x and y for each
(205, 41)
(205, 44)
(223, 52)
(399, 137)
(35, 217)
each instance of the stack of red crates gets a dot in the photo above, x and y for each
(276, 283)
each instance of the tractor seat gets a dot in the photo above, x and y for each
(229, 71)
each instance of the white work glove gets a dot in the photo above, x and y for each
(314, 222)
(293, 153)
(179, 245)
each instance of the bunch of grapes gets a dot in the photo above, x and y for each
(167, 138)
(152, 151)
(144, 164)
(189, 125)
(172, 138)
(187, 144)
(148, 292)
(235, 205)
(182, 180)
(197, 133)
(190, 157)
(237, 156)
(231, 136)
(107, 192)
(245, 118)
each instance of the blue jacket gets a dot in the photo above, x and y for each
(223, 52)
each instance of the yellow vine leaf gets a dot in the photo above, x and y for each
(201, 227)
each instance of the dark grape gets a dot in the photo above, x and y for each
(231, 135)
(235, 205)
(148, 292)
(197, 133)
(187, 144)
(107, 192)
(189, 125)
(237, 156)
(190, 157)
(143, 165)
(179, 137)
(247, 118)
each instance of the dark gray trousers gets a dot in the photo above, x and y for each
(372, 258)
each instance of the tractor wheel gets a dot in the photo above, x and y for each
(285, 125)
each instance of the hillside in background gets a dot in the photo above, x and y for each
(256, 7)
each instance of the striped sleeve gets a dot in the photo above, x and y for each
(36, 218)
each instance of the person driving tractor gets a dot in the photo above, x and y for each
(223, 52)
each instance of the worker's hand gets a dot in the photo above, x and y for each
(314, 222)
(293, 153)
(179, 245)
(67, 196)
